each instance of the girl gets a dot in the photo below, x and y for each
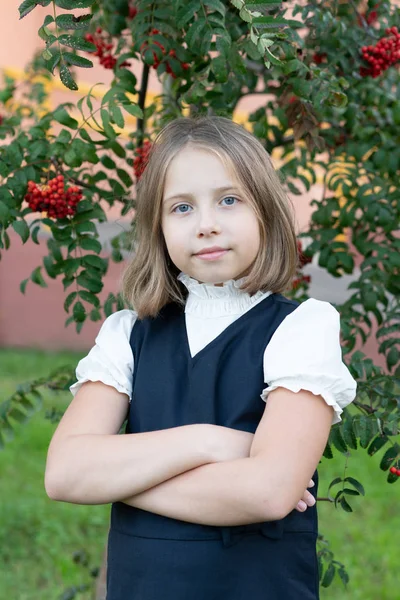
(206, 483)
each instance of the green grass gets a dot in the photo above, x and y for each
(38, 536)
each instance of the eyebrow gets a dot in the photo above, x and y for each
(186, 195)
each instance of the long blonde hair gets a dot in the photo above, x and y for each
(150, 279)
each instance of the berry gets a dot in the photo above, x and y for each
(304, 260)
(141, 159)
(318, 58)
(51, 198)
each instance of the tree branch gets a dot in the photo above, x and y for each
(142, 101)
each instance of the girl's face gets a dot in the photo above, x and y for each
(209, 225)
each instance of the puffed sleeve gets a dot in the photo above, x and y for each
(110, 360)
(305, 353)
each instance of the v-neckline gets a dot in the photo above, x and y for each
(216, 340)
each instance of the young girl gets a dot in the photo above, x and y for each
(229, 389)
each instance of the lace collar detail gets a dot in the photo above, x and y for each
(208, 300)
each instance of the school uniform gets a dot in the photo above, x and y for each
(215, 361)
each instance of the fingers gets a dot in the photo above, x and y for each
(307, 500)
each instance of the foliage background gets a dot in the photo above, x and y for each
(324, 116)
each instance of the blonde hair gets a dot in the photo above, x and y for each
(149, 281)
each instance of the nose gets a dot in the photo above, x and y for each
(208, 224)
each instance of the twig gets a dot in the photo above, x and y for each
(141, 102)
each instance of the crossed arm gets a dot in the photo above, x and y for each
(266, 485)
(234, 479)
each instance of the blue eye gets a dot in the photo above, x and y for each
(184, 206)
(230, 198)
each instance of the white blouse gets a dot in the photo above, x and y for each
(303, 353)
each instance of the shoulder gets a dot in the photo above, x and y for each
(312, 311)
(117, 324)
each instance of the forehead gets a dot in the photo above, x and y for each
(194, 169)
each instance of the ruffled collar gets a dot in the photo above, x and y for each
(208, 300)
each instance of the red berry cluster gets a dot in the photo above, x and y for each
(157, 61)
(53, 198)
(383, 55)
(1, 119)
(141, 159)
(106, 57)
(395, 471)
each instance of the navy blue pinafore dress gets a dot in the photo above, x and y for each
(151, 557)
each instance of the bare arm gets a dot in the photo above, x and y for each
(265, 486)
(225, 493)
(88, 463)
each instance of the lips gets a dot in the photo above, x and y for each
(211, 250)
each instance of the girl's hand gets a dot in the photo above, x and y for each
(307, 499)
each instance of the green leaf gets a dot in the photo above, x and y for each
(22, 285)
(26, 7)
(133, 109)
(45, 33)
(377, 443)
(76, 42)
(66, 78)
(328, 575)
(117, 148)
(259, 4)
(116, 114)
(37, 277)
(217, 6)
(89, 297)
(69, 300)
(337, 439)
(78, 61)
(270, 22)
(366, 432)
(86, 227)
(186, 13)
(108, 129)
(356, 484)
(124, 177)
(390, 455)
(22, 229)
(195, 32)
(93, 285)
(4, 213)
(49, 265)
(334, 482)
(72, 4)
(345, 505)
(328, 452)
(107, 162)
(72, 22)
(92, 260)
(79, 312)
(392, 358)
(348, 433)
(90, 244)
